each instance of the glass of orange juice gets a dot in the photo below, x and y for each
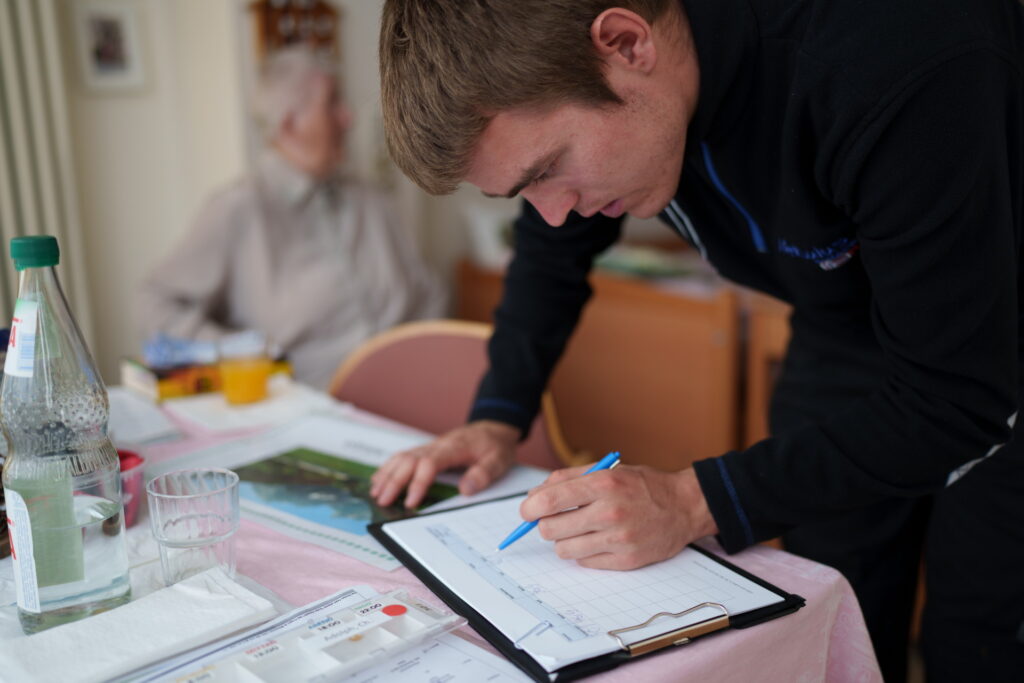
(244, 370)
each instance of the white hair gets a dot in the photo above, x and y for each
(285, 84)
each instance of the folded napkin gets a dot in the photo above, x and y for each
(171, 620)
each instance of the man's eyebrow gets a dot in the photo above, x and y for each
(529, 174)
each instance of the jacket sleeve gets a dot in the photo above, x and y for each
(185, 294)
(933, 183)
(545, 290)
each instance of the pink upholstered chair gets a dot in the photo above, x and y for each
(425, 375)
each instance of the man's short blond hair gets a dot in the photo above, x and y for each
(447, 66)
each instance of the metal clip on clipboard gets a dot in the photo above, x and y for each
(679, 636)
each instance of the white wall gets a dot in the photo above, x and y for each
(436, 218)
(144, 159)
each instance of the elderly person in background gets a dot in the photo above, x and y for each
(314, 262)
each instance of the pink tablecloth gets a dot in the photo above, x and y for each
(826, 640)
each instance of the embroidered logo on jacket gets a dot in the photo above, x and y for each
(827, 258)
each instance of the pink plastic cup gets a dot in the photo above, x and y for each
(132, 489)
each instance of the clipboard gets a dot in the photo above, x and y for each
(627, 648)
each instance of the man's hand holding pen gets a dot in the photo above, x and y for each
(622, 518)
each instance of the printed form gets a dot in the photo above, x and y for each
(554, 609)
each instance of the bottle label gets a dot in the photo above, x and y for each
(21, 350)
(20, 532)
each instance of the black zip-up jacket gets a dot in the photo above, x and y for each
(864, 161)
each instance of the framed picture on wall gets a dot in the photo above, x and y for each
(109, 48)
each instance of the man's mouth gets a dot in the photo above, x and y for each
(614, 209)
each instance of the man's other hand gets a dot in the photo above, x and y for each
(487, 449)
(622, 518)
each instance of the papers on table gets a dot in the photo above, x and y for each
(298, 646)
(450, 659)
(310, 480)
(136, 420)
(287, 401)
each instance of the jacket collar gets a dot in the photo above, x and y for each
(726, 38)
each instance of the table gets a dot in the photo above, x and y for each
(824, 641)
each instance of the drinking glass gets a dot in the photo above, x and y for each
(194, 515)
(244, 380)
(244, 367)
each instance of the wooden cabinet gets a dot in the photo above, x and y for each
(766, 340)
(651, 373)
(280, 23)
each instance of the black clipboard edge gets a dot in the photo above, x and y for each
(489, 632)
(791, 603)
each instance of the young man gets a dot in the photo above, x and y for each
(863, 161)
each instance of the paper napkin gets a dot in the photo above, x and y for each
(195, 611)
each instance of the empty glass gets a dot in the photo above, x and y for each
(194, 515)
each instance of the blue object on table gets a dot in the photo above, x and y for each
(606, 463)
(165, 351)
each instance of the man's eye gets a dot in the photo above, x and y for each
(542, 177)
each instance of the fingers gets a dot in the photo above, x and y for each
(611, 561)
(486, 449)
(485, 472)
(621, 519)
(388, 481)
(599, 550)
(419, 465)
(422, 477)
(576, 522)
(568, 492)
(562, 475)
(416, 470)
(379, 478)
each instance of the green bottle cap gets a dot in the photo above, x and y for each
(34, 251)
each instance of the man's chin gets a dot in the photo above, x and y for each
(647, 209)
(644, 213)
(653, 203)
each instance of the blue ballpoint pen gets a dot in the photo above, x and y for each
(606, 463)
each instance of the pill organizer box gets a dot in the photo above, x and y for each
(326, 647)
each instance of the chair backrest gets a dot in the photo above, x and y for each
(425, 374)
(650, 372)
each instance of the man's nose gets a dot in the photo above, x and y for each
(553, 205)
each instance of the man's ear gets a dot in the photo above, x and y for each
(625, 38)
